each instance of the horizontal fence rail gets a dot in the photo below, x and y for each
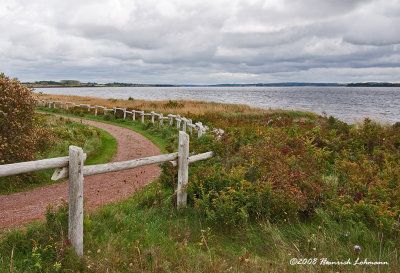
(72, 166)
(37, 165)
(182, 123)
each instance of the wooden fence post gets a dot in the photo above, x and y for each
(183, 168)
(75, 216)
(171, 119)
(190, 127)
(178, 122)
(152, 116)
(124, 113)
(161, 118)
(184, 124)
(133, 114)
(95, 110)
(199, 129)
(142, 114)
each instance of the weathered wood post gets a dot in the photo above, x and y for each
(66, 106)
(152, 116)
(184, 124)
(88, 107)
(161, 118)
(183, 168)
(115, 110)
(142, 114)
(190, 127)
(95, 110)
(124, 113)
(171, 119)
(178, 122)
(133, 114)
(200, 129)
(75, 216)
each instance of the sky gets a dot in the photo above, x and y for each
(201, 42)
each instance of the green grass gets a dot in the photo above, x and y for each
(146, 233)
(106, 151)
(164, 137)
(100, 148)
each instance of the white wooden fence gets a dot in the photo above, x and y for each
(72, 166)
(182, 123)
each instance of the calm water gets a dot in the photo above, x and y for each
(346, 103)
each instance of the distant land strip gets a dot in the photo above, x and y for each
(75, 83)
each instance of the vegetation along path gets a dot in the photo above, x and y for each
(27, 206)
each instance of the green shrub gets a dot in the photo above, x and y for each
(173, 104)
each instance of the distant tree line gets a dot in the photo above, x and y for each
(76, 83)
(374, 84)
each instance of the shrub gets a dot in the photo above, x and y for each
(17, 130)
(173, 104)
(283, 168)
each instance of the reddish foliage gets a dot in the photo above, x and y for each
(17, 131)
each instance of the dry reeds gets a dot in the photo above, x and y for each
(181, 107)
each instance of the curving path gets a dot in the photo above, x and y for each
(27, 206)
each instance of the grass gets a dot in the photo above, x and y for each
(182, 107)
(99, 145)
(106, 151)
(163, 136)
(146, 233)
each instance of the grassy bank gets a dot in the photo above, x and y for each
(98, 144)
(165, 136)
(282, 185)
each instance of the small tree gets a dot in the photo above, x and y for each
(17, 130)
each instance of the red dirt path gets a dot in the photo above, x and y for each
(19, 208)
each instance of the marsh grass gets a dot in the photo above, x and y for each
(189, 108)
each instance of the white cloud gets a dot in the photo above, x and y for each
(204, 41)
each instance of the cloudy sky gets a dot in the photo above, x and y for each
(201, 42)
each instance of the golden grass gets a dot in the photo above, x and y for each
(187, 106)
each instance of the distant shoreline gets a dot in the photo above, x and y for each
(220, 85)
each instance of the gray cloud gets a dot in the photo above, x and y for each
(172, 41)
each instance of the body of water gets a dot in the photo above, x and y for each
(349, 104)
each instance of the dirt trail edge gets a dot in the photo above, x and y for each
(19, 208)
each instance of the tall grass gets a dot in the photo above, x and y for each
(181, 107)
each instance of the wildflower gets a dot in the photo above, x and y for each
(357, 248)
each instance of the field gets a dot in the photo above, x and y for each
(283, 185)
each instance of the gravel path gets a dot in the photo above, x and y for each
(19, 208)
